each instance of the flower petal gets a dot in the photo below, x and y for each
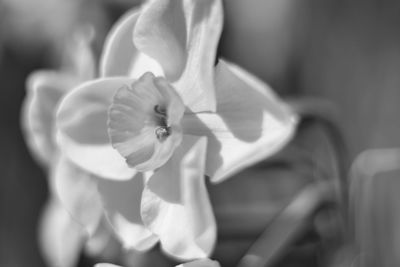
(200, 263)
(251, 123)
(183, 36)
(78, 58)
(44, 92)
(175, 203)
(122, 205)
(196, 263)
(82, 129)
(160, 33)
(103, 243)
(120, 57)
(77, 191)
(136, 115)
(61, 238)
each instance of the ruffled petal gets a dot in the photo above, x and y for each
(120, 56)
(183, 37)
(251, 123)
(144, 122)
(44, 92)
(77, 191)
(82, 128)
(175, 203)
(60, 237)
(200, 263)
(122, 205)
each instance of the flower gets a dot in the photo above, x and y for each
(161, 108)
(196, 263)
(61, 235)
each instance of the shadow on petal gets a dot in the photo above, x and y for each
(122, 205)
(192, 125)
(161, 34)
(244, 101)
(250, 124)
(176, 206)
(82, 128)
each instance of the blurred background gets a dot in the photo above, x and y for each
(347, 52)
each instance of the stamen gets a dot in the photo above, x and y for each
(162, 132)
(161, 116)
(160, 110)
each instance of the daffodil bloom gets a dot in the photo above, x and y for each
(62, 236)
(162, 108)
(196, 263)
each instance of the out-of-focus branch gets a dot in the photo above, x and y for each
(287, 226)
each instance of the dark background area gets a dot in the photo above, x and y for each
(345, 51)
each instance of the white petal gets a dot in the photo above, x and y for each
(77, 191)
(183, 36)
(106, 265)
(122, 204)
(175, 203)
(120, 57)
(79, 58)
(44, 92)
(60, 237)
(196, 85)
(200, 263)
(82, 129)
(103, 243)
(161, 34)
(251, 123)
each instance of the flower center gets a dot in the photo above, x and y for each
(144, 122)
(163, 130)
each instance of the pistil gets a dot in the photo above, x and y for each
(162, 132)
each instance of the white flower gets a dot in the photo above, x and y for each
(162, 107)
